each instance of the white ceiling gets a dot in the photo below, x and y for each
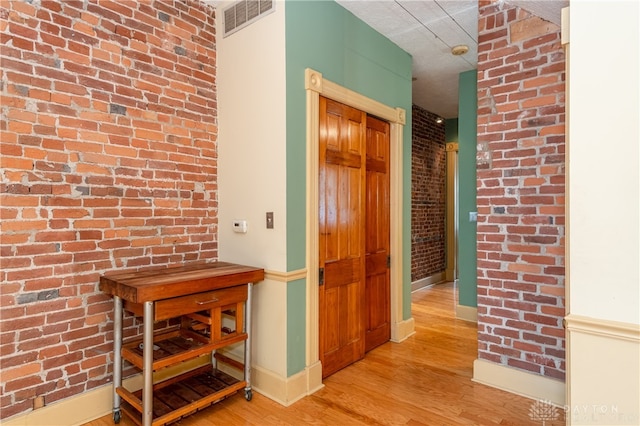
(428, 29)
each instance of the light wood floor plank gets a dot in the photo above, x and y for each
(423, 381)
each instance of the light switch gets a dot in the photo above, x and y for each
(473, 216)
(269, 220)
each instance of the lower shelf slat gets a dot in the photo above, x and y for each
(183, 397)
(176, 346)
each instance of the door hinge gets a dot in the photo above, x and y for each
(389, 261)
(321, 276)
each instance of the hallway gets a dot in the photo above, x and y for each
(425, 380)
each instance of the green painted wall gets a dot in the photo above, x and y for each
(451, 130)
(326, 37)
(296, 332)
(467, 138)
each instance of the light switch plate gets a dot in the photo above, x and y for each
(473, 216)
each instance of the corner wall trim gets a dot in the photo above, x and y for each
(564, 26)
(519, 382)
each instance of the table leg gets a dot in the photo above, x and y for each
(247, 343)
(117, 356)
(147, 364)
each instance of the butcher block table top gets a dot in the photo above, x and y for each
(158, 284)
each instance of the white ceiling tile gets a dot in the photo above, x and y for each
(427, 30)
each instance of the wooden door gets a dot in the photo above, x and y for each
(377, 287)
(342, 174)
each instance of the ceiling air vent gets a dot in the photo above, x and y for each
(244, 12)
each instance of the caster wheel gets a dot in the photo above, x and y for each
(248, 394)
(116, 417)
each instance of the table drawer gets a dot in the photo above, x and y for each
(172, 308)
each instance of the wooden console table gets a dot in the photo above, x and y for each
(203, 296)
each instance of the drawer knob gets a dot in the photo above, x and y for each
(214, 300)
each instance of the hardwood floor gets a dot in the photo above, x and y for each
(425, 380)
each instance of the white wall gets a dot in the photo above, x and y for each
(604, 160)
(251, 169)
(603, 331)
(251, 141)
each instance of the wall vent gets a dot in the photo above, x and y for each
(244, 12)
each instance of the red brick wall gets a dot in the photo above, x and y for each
(108, 132)
(428, 207)
(521, 117)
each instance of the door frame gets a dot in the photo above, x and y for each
(316, 85)
(451, 252)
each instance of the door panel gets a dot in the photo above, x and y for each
(342, 244)
(377, 287)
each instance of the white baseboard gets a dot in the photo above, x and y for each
(401, 331)
(519, 382)
(426, 282)
(467, 313)
(80, 409)
(75, 410)
(283, 390)
(287, 390)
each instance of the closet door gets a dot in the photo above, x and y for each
(377, 219)
(342, 176)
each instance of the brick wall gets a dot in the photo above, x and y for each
(428, 205)
(521, 117)
(108, 143)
